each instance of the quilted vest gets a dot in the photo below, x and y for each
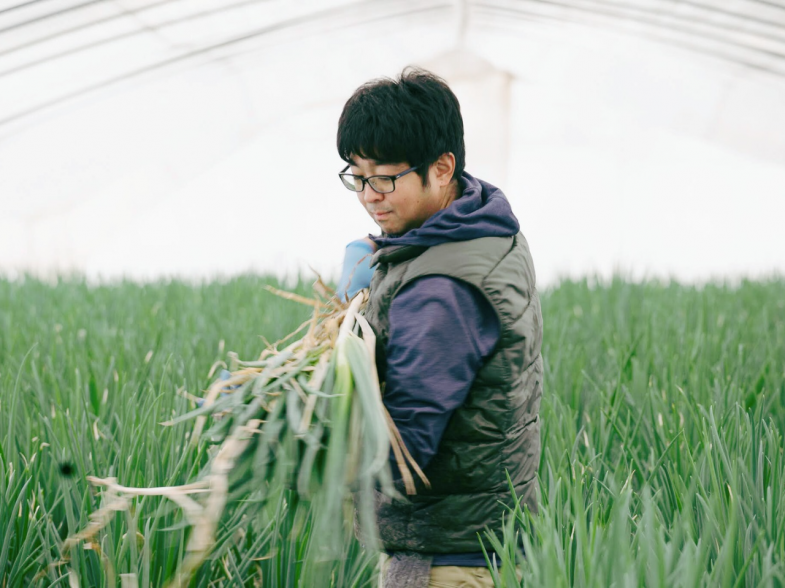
(497, 430)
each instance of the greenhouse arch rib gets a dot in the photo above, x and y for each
(288, 24)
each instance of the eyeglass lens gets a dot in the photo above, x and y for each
(352, 182)
(382, 185)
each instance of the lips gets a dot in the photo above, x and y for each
(380, 214)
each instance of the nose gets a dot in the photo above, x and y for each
(371, 195)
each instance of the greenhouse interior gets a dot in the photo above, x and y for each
(147, 139)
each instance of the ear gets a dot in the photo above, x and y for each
(443, 169)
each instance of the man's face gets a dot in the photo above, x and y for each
(405, 208)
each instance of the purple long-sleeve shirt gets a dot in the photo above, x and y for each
(441, 332)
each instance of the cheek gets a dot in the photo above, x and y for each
(403, 204)
(414, 206)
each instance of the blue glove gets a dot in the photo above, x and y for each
(357, 272)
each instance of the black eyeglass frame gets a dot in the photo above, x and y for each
(367, 180)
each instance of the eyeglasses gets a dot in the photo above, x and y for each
(380, 184)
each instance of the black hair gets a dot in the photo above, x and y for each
(413, 119)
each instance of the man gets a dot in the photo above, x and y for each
(457, 317)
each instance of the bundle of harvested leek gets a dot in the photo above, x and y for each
(307, 417)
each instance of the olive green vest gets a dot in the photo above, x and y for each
(497, 429)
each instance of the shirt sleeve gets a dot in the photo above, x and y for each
(441, 332)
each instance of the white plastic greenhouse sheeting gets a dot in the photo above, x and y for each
(617, 151)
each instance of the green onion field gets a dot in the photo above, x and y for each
(663, 418)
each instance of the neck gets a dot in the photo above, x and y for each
(449, 195)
